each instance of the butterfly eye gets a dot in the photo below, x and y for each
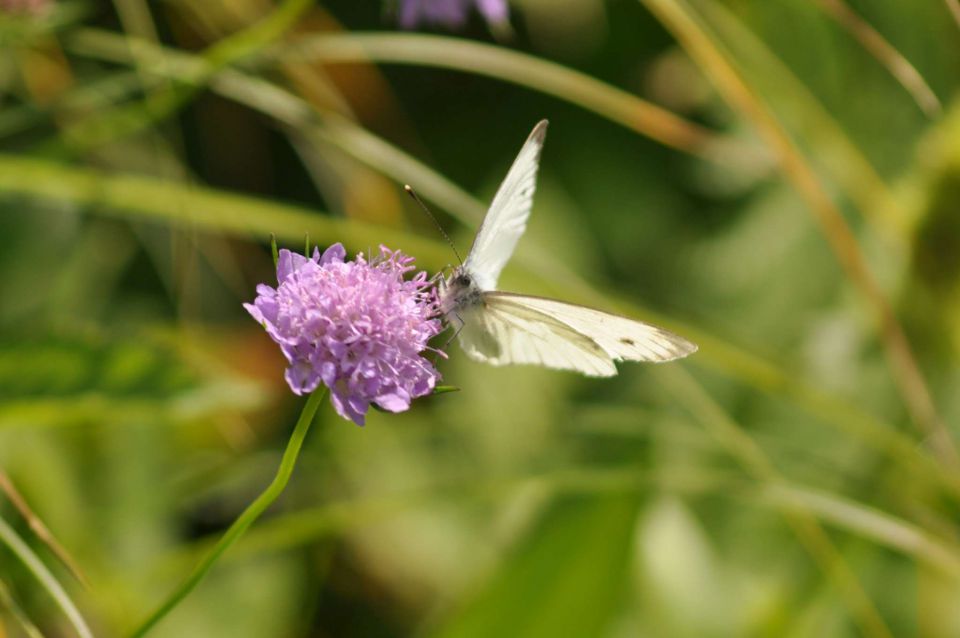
(464, 280)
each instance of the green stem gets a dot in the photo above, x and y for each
(251, 514)
(32, 562)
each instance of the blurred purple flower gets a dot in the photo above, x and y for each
(451, 13)
(358, 327)
(32, 7)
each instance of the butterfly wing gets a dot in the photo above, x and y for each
(621, 338)
(506, 220)
(502, 330)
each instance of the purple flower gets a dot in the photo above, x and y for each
(33, 7)
(451, 13)
(358, 327)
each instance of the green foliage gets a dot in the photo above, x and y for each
(759, 176)
(565, 578)
(82, 379)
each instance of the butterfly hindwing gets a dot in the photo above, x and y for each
(500, 331)
(621, 338)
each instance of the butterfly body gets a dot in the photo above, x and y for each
(503, 328)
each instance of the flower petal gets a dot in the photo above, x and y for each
(396, 401)
(335, 253)
(495, 11)
(288, 263)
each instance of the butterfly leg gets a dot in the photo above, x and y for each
(456, 333)
(446, 344)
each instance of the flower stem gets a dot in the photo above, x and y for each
(246, 519)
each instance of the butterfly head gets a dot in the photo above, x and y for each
(461, 279)
(458, 291)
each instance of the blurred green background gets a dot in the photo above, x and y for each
(777, 181)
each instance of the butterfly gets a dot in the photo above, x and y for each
(503, 328)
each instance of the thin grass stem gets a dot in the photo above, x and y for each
(843, 161)
(509, 66)
(886, 54)
(205, 209)
(126, 120)
(7, 600)
(46, 579)
(40, 529)
(750, 455)
(525, 70)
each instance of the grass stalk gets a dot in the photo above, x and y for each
(886, 54)
(129, 119)
(840, 158)
(9, 537)
(503, 64)
(38, 527)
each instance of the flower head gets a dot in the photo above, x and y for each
(358, 327)
(450, 13)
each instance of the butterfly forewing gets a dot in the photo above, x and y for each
(506, 220)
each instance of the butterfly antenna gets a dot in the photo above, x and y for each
(419, 201)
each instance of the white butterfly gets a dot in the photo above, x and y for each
(502, 328)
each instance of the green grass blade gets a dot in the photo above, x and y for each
(869, 522)
(491, 61)
(707, 51)
(886, 54)
(178, 204)
(688, 392)
(46, 579)
(121, 121)
(7, 600)
(809, 120)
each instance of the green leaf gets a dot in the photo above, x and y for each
(443, 389)
(566, 578)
